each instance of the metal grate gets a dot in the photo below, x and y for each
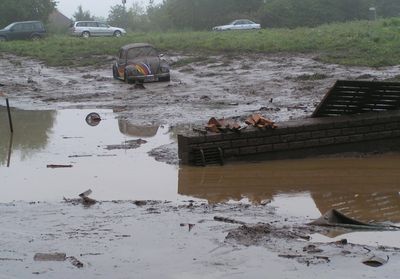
(351, 97)
(208, 156)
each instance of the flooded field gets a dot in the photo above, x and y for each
(229, 220)
(111, 158)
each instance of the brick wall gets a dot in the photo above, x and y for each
(368, 132)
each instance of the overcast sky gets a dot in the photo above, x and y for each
(98, 8)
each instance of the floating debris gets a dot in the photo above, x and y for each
(58, 257)
(375, 261)
(52, 166)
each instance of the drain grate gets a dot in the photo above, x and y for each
(208, 156)
(351, 97)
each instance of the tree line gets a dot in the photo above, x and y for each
(204, 14)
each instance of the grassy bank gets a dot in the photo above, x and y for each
(355, 43)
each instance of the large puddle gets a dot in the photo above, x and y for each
(112, 159)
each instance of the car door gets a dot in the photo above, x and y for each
(121, 62)
(238, 25)
(104, 29)
(93, 28)
(16, 32)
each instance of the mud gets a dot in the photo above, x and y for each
(166, 240)
(280, 86)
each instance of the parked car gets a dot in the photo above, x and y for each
(239, 24)
(87, 29)
(140, 62)
(31, 30)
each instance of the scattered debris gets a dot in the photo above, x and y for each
(85, 198)
(257, 120)
(311, 249)
(140, 203)
(334, 218)
(222, 125)
(228, 220)
(139, 86)
(58, 257)
(75, 262)
(129, 144)
(93, 119)
(375, 261)
(190, 226)
(11, 259)
(79, 156)
(52, 166)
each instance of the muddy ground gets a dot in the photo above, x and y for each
(152, 239)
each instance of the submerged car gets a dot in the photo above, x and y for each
(32, 30)
(140, 62)
(88, 29)
(240, 24)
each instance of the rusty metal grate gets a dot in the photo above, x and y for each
(351, 97)
(208, 156)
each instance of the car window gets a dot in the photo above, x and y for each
(102, 24)
(92, 24)
(8, 27)
(17, 27)
(81, 24)
(27, 27)
(141, 51)
(37, 26)
(121, 54)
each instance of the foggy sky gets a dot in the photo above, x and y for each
(99, 8)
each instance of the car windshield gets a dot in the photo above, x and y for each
(233, 22)
(8, 27)
(141, 51)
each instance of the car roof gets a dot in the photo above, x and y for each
(30, 21)
(135, 45)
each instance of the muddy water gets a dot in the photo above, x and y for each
(363, 188)
(104, 159)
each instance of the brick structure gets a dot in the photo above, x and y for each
(368, 132)
(374, 131)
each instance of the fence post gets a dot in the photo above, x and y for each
(9, 116)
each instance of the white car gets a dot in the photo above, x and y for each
(239, 24)
(94, 28)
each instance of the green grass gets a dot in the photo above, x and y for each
(362, 43)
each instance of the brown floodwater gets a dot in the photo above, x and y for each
(103, 159)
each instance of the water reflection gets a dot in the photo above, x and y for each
(364, 188)
(142, 131)
(31, 132)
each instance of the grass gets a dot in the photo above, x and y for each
(363, 43)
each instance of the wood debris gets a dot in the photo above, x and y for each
(58, 257)
(222, 125)
(257, 120)
(52, 166)
(85, 198)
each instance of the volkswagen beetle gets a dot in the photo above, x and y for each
(140, 62)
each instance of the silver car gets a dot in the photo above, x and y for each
(87, 29)
(240, 24)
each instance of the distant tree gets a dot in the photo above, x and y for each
(134, 18)
(294, 13)
(118, 16)
(20, 10)
(387, 8)
(80, 14)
